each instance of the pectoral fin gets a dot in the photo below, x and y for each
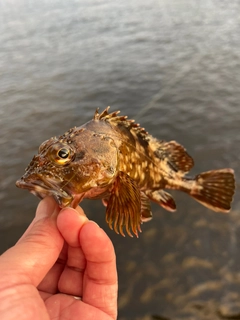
(124, 206)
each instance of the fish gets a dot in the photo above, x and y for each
(114, 159)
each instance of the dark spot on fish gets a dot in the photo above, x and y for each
(172, 166)
(143, 142)
(80, 155)
(96, 135)
(162, 156)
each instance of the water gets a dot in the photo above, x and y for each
(174, 66)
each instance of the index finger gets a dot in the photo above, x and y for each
(100, 278)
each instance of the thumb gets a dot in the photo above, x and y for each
(38, 249)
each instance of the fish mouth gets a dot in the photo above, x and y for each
(42, 189)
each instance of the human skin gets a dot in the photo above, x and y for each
(63, 267)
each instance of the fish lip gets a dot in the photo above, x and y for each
(42, 189)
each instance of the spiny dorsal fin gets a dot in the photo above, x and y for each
(120, 120)
(175, 155)
(105, 115)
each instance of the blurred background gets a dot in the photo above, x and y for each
(174, 67)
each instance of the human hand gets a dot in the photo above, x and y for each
(61, 257)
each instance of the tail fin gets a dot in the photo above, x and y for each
(215, 189)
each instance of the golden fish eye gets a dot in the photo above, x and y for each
(60, 153)
(62, 156)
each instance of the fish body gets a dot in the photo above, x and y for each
(114, 159)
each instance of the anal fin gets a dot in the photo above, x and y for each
(146, 213)
(124, 205)
(163, 198)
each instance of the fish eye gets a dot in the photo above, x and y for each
(63, 156)
(63, 153)
(60, 153)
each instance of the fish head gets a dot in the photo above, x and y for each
(68, 166)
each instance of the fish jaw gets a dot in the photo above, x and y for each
(41, 189)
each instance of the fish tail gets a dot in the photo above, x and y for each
(214, 189)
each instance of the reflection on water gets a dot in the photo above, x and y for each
(174, 67)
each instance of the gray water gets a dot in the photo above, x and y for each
(173, 66)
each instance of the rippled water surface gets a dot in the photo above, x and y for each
(173, 66)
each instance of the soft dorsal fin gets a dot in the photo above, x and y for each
(124, 205)
(175, 155)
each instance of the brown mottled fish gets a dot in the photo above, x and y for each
(113, 158)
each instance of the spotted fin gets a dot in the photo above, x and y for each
(215, 189)
(124, 206)
(175, 155)
(163, 198)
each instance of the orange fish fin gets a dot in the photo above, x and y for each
(105, 115)
(124, 205)
(163, 198)
(175, 155)
(215, 189)
(146, 213)
(115, 119)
